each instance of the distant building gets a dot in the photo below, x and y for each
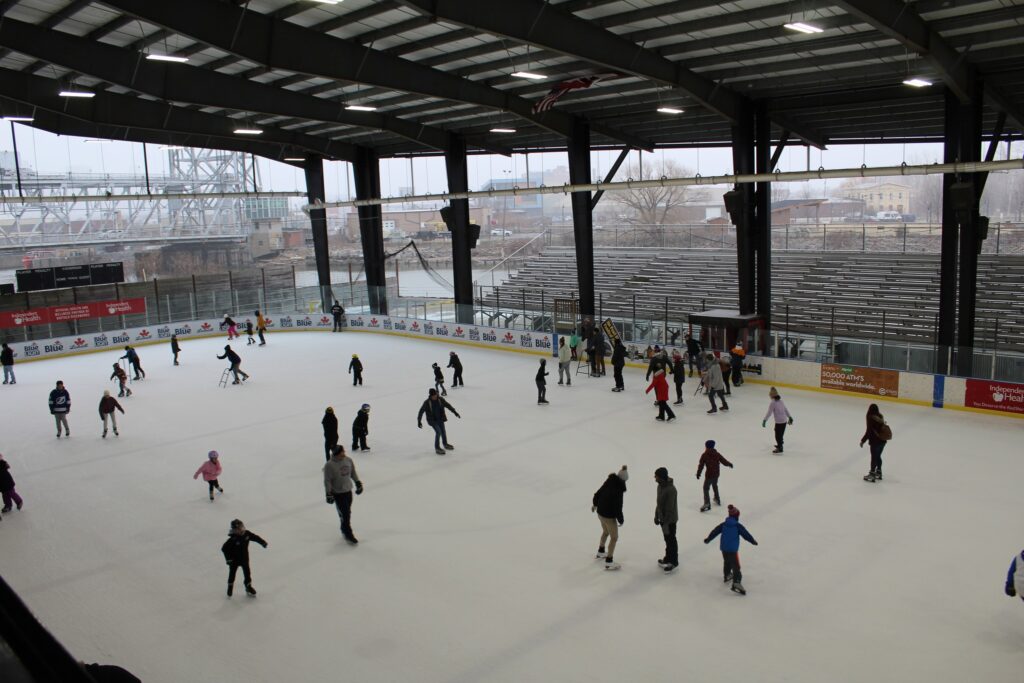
(407, 222)
(882, 197)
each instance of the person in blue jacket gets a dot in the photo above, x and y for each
(1015, 577)
(731, 531)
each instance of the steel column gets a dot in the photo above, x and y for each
(743, 140)
(582, 216)
(366, 172)
(763, 214)
(970, 230)
(462, 264)
(950, 237)
(314, 169)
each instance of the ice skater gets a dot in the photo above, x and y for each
(339, 473)
(175, 348)
(248, 333)
(434, 409)
(666, 515)
(261, 328)
(211, 471)
(439, 379)
(236, 363)
(60, 407)
(876, 434)
(7, 360)
(574, 342)
(355, 368)
(361, 428)
(737, 354)
(10, 495)
(731, 531)
(712, 379)
(564, 358)
(710, 461)
(660, 386)
(231, 325)
(726, 366)
(133, 358)
(337, 310)
(678, 375)
(1014, 577)
(236, 553)
(694, 352)
(331, 438)
(542, 384)
(122, 381)
(108, 404)
(456, 365)
(777, 410)
(607, 503)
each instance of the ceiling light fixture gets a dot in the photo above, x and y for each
(529, 75)
(248, 131)
(76, 93)
(360, 107)
(166, 58)
(294, 159)
(917, 82)
(503, 130)
(801, 27)
(21, 119)
(669, 110)
(328, 2)
(169, 147)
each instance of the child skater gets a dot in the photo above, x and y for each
(1014, 578)
(711, 459)
(731, 530)
(542, 384)
(231, 325)
(210, 470)
(781, 417)
(355, 368)
(108, 404)
(122, 381)
(7, 487)
(248, 331)
(361, 428)
(439, 379)
(236, 552)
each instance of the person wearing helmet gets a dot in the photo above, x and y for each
(355, 368)
(361, 428)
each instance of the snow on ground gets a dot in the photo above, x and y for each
(478, 566)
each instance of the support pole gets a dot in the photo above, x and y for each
(743, 140)
(970, 231)
(762, 236)
(582, 216)
(314, 168)
(366, 169)
(950, 237)
(462, 264)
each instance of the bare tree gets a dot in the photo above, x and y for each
(652, 205)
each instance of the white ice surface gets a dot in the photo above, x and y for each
(478, 566)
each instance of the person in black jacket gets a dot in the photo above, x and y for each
(542, 384)
(599, 350)
(175, 349)
(607, 504)
(456, 364)
(434, 408)
(236, 363)
(330, 424)
(439, 379)
(236, 553)
(337, 310)
(7, 360)
(618, 362)
(361, 428)
(695, 351)
(679, 375)
(355, 368)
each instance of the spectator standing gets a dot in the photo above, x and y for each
(337, 310)
(564, 358)
(7, 360)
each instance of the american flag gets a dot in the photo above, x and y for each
(548, 101)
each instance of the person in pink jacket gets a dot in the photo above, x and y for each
(777, 410)
(210, 470)
(660, 386)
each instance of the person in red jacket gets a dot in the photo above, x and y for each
(660, 386)
(710, 461)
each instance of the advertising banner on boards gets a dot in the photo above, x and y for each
(872, 381)
(991, 395)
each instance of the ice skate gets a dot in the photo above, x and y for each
(117, 433)
(678, 403)
(220, 490)
(718, 502)
(712, 411)
(600, 554)
(728, 578)
(660, 419)
(870, 477)
(250, 591)
(231, 589)
(439, 451)
(725, 407)
(352, 540)
(670, 418)
(705, 507)
(236, 382)
(669, 568)
(104, 433)
(878, 475)
(663, 562)
(777, 450)
(211, 495)
(610, 564)
(449, 447)
(5, 510)
(737, 587)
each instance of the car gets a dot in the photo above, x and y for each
(501, 233)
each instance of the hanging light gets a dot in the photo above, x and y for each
(529, 75)
(248, 131)
(166, 58)
(76, 93)
(917, 82)
(802, 27)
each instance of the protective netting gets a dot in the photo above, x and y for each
(432, 273)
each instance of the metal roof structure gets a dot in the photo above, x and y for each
(431, 68)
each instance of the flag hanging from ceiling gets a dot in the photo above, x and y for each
(548, 101)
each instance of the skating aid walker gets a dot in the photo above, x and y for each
(225, 377)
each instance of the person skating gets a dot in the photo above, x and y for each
(876, 434)
(710, 462)
(122, 381)
(678, 375)
(574, 342)
(434, 409)
(712, 379)
(599, 351)
(657, 361)
(361, 428)
(355, 368)
(456, 365)
(339, 473)
(236, 364)
(236, 553)
(7, 360)
(261, 328)
(231, 326)
(175, 348)
(337, 310)
(564, 358)
(60, 407)
(737, 355)
(666, 515)
(10, 495)
(248, 332)
(211, 471)
(778, 411)
(439, 379)
(618, 362)
(108, 404)
(731, 530)
(1014, 577)
(660, 386)
(542, 384)
(133, 358)
(726, 367)
(695, 353)
(331, 438)
(607, 503)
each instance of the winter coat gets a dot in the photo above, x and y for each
(330, 423)
(109, 404)
(777, 409)
(693, 347)
(1014, 578)
(228, 322)
(356, 365)
(248, 327)
(574, 341)
(731, 530)
(454, 362)
(6, 480)
(7, 356)
(210, 470)
(873, 433)
(713, 377)
(438, 375)
(666, 511)
(598, 340)
(132, 356)
(711, 459)
(174, 346)
(608, 498)
(660, 386)
(434, 410)
(726, 367)
(679, 370)
(658, 362)
(361, 425)
(60, 401)
(236, 548)
(120, 374)
(339, 473)
(542, 372)
(232, 357)
(564, 354)
(337, 310)
(618, 355)
(261, 323)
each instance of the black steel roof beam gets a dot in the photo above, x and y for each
(284, 45)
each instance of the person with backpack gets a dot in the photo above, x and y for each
(607, 503)
(876, 435)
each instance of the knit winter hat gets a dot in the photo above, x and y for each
(330, 410)
(434, 365)
(212, 455)
(623, 474)
(734, 511)
(773, 392)
(366, 406)
(661, 473)
(355, 355)
(710, 443)
(236, 524)
(106, 392)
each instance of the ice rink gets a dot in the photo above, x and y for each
(478, 565)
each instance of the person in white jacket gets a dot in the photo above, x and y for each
(1015, 577)
(777, 410)
(564, 357)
